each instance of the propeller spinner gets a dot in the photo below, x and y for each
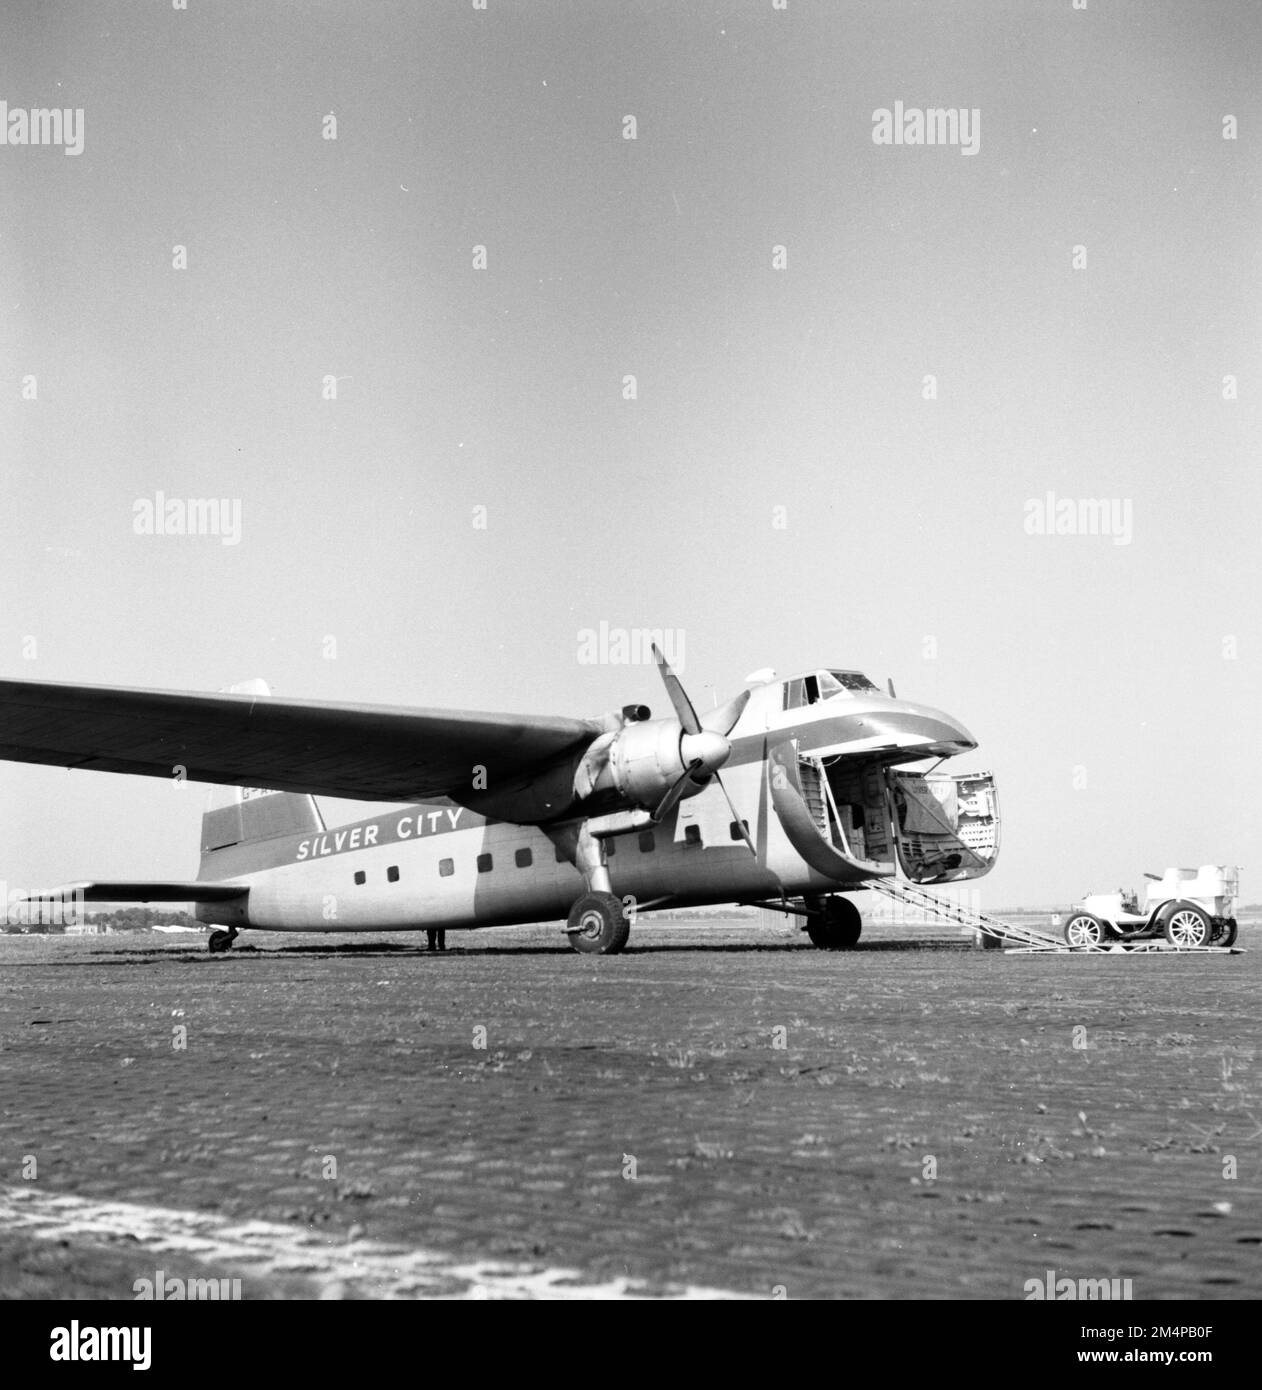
(703, 746)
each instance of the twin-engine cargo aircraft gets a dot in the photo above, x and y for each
(526, 818)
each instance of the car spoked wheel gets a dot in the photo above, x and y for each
(1083, 929)
(1187, 925)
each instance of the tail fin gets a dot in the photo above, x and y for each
(236, 814)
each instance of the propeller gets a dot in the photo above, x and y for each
(703, 746)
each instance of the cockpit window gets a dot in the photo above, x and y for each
(823, 685)
(851, 680)
(829, 685)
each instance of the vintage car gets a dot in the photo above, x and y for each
(1189, 907)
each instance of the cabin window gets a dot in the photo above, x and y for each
(735, 829)
(485, 863)
(692, 834)
(360, 876)
(647, 843)
(524, 858)
(446, 867)
(392, 874)
(611, 846)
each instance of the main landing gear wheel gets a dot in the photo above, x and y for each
(1083, 929)
(839, 927)
(221, 941)
(598, 925)
(1187, 925)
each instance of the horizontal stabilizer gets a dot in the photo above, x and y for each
(95, 891)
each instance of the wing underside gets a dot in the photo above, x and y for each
(363, 752)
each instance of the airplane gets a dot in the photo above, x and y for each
(505, 819)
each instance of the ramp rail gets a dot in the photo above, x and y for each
(1007, 932)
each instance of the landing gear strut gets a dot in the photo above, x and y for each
(221, 941)
(838, 927)
(598, 923)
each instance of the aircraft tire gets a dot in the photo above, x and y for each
(598, 925)
(1185, 924)
(220, 941)
(839, 928)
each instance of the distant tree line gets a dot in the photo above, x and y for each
(124, 919)
(143, 918)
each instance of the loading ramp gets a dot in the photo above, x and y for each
(1018, 938)
(1007, 932)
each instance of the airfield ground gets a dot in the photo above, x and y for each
(722, 1108)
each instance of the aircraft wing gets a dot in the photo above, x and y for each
(364, 752)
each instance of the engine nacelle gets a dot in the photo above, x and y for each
(641, 762)
(645, 760)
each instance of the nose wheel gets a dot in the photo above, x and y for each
(838, 926)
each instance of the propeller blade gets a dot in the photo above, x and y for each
(723, 720)
(671, 799)
(684, 711)
(736, 817)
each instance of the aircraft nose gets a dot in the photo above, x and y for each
(941, 735)
(899, 724)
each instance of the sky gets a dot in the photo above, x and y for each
(859, 369)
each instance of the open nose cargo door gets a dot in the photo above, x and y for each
(946, 827)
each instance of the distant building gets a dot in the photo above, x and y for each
(87, 927)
